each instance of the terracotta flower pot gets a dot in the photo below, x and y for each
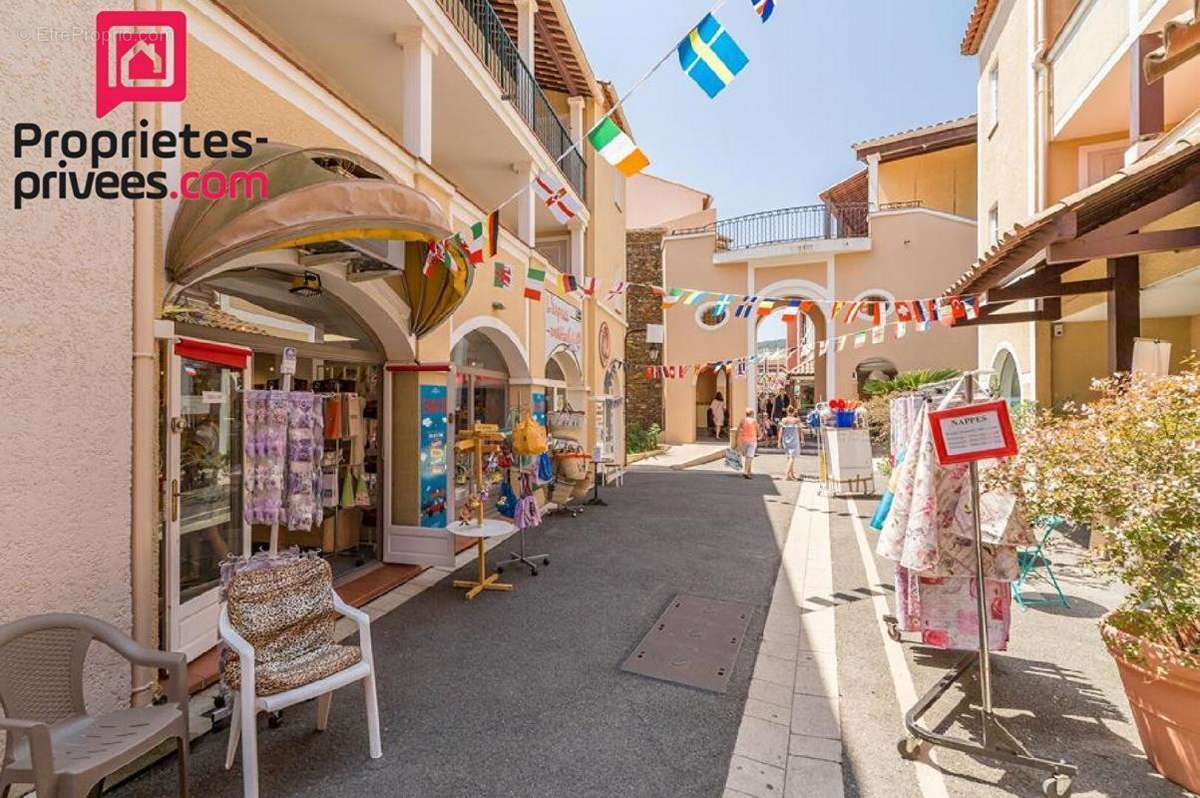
(1165, 701)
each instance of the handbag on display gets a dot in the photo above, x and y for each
(545, 468)
(529, 437)
(733, 459)
(573, 465)
(567, 424)
(506, 504)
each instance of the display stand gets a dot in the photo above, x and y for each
(478, 441)
(597, 461)
(995, 742)
(844, 458)
(286, 386)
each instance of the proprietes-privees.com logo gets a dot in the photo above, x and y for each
(141, 56)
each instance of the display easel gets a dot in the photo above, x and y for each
(1007, 748)
(484, 438)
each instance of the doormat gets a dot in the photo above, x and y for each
(695, 642)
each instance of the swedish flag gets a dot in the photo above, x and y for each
(710, 56)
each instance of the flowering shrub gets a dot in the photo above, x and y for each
(1127, 463)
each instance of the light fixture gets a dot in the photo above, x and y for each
(307, 284)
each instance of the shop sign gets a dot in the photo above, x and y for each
(434, 467)
(288, 364)
(973, 432)
(564, 326)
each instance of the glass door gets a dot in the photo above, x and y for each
(203, 498)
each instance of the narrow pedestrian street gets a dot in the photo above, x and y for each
(521, 694)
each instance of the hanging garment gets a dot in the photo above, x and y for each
(329, 488)
(305, 448)
(527, 514)
(506, 504)
(356, 429)
(333, 417)
(545, 468)
(347, 490)
(265, 455)
(949, 613)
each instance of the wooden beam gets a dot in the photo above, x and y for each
(1138, 218)
(1088, 248)
(1047, 310)
(1146, 115)
(1124, 312)
(544, 34)
(1056, 289)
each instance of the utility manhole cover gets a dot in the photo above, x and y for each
(694, 642)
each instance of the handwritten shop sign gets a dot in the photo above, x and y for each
(564, 326)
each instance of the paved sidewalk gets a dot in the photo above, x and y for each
(790, 740)
(521, 694)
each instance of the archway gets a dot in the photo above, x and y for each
(1006, 377)
(712, 384)
(873, 369)
(815, 371)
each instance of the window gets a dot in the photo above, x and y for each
(707, 317)
(993, 228)
(557, 251)
(994, 96)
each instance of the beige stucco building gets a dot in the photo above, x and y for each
(117, 331)
(1073, 136)
(894, 231)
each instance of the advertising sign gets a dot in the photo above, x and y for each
(564, 326)
(973, 432)
(434, 455)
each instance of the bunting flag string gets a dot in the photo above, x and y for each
(707, 54)
(856, 340)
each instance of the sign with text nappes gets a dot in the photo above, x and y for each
(973, 432)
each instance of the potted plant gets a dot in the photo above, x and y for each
(1129, 463)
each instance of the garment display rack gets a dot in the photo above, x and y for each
(520, 557)
(995, 741)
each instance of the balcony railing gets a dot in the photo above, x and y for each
(478, 23)
(785, 225)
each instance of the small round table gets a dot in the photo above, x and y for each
(491, 528)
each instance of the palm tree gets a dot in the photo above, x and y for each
(908, 381)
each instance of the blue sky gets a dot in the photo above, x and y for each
(822, 75)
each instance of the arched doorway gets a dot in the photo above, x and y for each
(874, 369)
(786, 354)
(1006, 377)
(710, 383)
(813, 324)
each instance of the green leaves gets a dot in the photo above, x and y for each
(908, 381)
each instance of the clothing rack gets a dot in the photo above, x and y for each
(996, 742)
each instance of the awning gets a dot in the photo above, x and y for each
(315, 196)
(1090, 223)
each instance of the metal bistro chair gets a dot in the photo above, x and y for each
(1035, 562)
(51, 741)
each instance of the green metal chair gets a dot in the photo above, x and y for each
(1035, 562)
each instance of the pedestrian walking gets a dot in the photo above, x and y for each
(717, 409)
(789, 440)
(747, 437)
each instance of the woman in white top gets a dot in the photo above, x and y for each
(717, 408)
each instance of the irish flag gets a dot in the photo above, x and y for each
(617, 148)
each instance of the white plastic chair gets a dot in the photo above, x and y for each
(247, 705)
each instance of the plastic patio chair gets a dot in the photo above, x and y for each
(51, 741)
(247, 704)
(1035, 562)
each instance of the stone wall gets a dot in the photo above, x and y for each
(643, 397)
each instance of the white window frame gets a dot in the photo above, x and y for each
(1088, 150)
(699, 315)
(993, 78)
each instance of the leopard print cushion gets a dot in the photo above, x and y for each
(286, 612)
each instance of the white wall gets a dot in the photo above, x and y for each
(65, 344)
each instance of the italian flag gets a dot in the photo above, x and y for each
(534, 280)
(617, 148)
(475, 246)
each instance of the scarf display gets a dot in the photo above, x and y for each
(284, 445)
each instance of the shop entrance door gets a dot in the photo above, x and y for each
(202, 498)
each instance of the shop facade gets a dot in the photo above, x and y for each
(319, 289)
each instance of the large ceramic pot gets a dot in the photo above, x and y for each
(1164, 699)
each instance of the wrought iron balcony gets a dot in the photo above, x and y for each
(483, 30)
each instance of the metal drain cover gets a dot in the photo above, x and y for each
(694, 642)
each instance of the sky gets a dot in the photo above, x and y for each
(823, 74)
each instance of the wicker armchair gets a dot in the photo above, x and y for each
(51, 741)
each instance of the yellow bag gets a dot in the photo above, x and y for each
(528, 437)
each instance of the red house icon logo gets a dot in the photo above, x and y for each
(140, 56)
